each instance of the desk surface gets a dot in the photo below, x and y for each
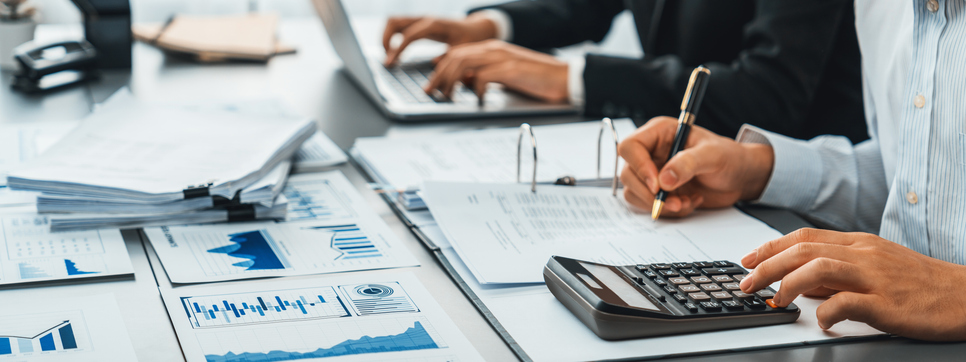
(311, 84)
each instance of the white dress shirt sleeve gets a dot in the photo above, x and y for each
(504, 27)
(826, 179)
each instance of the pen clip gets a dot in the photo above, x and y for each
(526, 129)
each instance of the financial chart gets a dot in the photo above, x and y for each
(30, 252)
(43, 335)
(316, 200)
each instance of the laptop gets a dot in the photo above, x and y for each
(398, 90)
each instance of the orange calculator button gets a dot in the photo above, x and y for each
(771, 303)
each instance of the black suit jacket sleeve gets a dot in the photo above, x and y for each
(558, 23)
(771, 84)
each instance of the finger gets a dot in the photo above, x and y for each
(637, 150)
(820, 273)
(687, 164)
(634, 185)
(820, 292)
(803, 235)
(795, 257)
(637, 201)
(393, 26)
(495, 73)
(848, 305)
(418, 30)
(461, 63)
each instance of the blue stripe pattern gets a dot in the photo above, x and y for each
(908, 182)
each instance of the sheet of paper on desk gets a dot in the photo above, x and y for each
(77, 329)
(22, 142)
(490, 155)
(31, 253)
(370, 317)
(329, 229)
(522, 229)
(547, 331)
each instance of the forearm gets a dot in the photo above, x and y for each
(557, 23)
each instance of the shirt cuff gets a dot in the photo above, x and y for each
(575, 80)
(504, 27)
(797, 173)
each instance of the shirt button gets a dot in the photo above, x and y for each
(932, 5)
(912, 197)
(919, 101)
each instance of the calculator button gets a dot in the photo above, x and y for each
(688, 288)
(641, 267)
(731, 286)
(689, 272)
(721, 270)
(660, 266)
(691, 307)
(679, 280)
(668, 273)
(739, 277)
(661, 282)
(670, 290)
(755, 304)
(680, 298)
(732, 305)
(638, 280)
(699, 296)
(711, 306)
(703, 264)
(765, 293)
(721, 295)
(722, 263)
(771, 303)
(649, 274)
(681, 265)
(742, 296)
(700, 280)
(722, 278)
(710, 287)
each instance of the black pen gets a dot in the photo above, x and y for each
(689, 111)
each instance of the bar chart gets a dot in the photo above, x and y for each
(351, 241)
(264, 307)
(33, 339)
(316, 200)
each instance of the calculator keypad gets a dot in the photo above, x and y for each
(701, 287)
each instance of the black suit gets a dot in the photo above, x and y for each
(789, 66)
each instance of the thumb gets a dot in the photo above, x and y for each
(688, 164)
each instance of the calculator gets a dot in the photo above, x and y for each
(646, 300)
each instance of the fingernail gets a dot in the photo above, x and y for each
(750, 258)
(776, 299)
(649, 183)
(745, 284)
(669, 177)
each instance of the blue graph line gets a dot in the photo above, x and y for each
(414, 338)
(72, 268)
(256, 246)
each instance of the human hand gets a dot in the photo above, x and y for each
(452, 32)
(523, 70)
(712, 171)
(892, 288)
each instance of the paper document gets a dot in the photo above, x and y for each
(319, 152)
(371, 317)
(31, 253)
(522, 229)
(490, 155)
(75, 329)
(329, 229)
(20, 143)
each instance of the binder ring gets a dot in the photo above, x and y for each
(605, 123)
(526, 129)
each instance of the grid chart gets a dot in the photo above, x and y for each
(343, 337)
(380, 298)
(29, 237)
(316, 200)
(351, 241)
(264, 307)
(55, 338)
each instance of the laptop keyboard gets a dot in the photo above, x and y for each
(409, 80)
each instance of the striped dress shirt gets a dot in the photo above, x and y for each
(908, 182)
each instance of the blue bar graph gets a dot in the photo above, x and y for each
(26, 345)
(72, 268)
(47, 342)
(28, 271)
(5, 346)
(351, 241)
(67, 337)
(43, 342)
(311, 202)
(264, 307)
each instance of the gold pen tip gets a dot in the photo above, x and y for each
(656, 210)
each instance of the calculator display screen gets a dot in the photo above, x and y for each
(618, 285)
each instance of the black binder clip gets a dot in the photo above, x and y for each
(197, 191)
(240, 212)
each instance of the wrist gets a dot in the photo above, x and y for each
(480, 26)
(759, 163)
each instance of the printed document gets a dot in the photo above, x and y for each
(522, 229)
(20, 143)
(329, 228)
(31, 253)
(369, 317)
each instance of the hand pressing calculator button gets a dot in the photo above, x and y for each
(621, 302)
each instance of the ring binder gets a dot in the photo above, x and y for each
(600, 137)
(525, 128)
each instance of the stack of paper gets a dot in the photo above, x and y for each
(218, 38)
(131, 163)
